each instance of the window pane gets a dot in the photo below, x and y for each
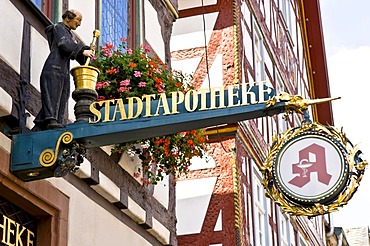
(115, 21)
(38, 3)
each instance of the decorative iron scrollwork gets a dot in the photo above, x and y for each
(70, 159)
(67, 156)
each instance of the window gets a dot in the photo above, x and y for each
(285, 8)
(260, 211)
(38, 3)
(46, 6)
(284, 229)
(259, 74)
(117, 21)
(301, 241)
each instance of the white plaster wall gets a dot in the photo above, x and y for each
(39, 52)
(246, 40)
(29, 120)
(91, 225)
(107, 188)
(161, 192)
(198, 163)
(188, 32)
(215, 74)
(187, 4)
(5, 143)
(187, 66)
(218, 226)
(87, 9)
(192, 200)
(131, 165)
(71, 102)
(153, 30)
(11, 25)
(6, 103)
(71, 105)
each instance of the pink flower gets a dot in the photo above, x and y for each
(137, 74)
(99, 85)
(101, 98)
(125, 82)
(129, 51)
(106, 83)
(142, 84)
(147, 48)
(157, 70)
(121, 89)
(107, 53)
(124, 89)
(160, 90)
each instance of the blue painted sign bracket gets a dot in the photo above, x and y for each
(38, 155)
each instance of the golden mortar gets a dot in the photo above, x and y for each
(85, 77)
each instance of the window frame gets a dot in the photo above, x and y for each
(133, 20)
(260, 210)
(258, 54)
(45, 6)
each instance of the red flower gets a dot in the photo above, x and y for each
(112, 70)
(159, 156)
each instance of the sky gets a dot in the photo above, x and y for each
(347, 42)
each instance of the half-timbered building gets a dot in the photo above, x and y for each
(221, 201)
(102, 204)
(279, 43)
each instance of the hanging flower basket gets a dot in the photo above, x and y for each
(126, 72)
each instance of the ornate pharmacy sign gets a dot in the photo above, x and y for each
(312, 169)
(56, 152)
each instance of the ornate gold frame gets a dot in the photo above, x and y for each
(355, 163)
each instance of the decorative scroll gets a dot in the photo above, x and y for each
(48, 157)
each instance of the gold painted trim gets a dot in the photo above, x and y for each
(172, 8)
(223, 130)
(236, 31)
(48, 157)
(237, 202)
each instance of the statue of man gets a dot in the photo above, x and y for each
(55, 77)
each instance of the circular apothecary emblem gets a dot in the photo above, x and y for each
(311, 168)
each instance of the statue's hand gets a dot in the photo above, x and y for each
(88, 53)
(93, 47)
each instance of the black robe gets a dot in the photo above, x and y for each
(55, 76)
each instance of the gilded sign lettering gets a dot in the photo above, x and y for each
(160, 105)
(15, 234)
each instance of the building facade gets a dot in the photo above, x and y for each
(277, 43)
(102, 204)
(221, 201)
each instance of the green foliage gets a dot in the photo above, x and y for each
(126, 72)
